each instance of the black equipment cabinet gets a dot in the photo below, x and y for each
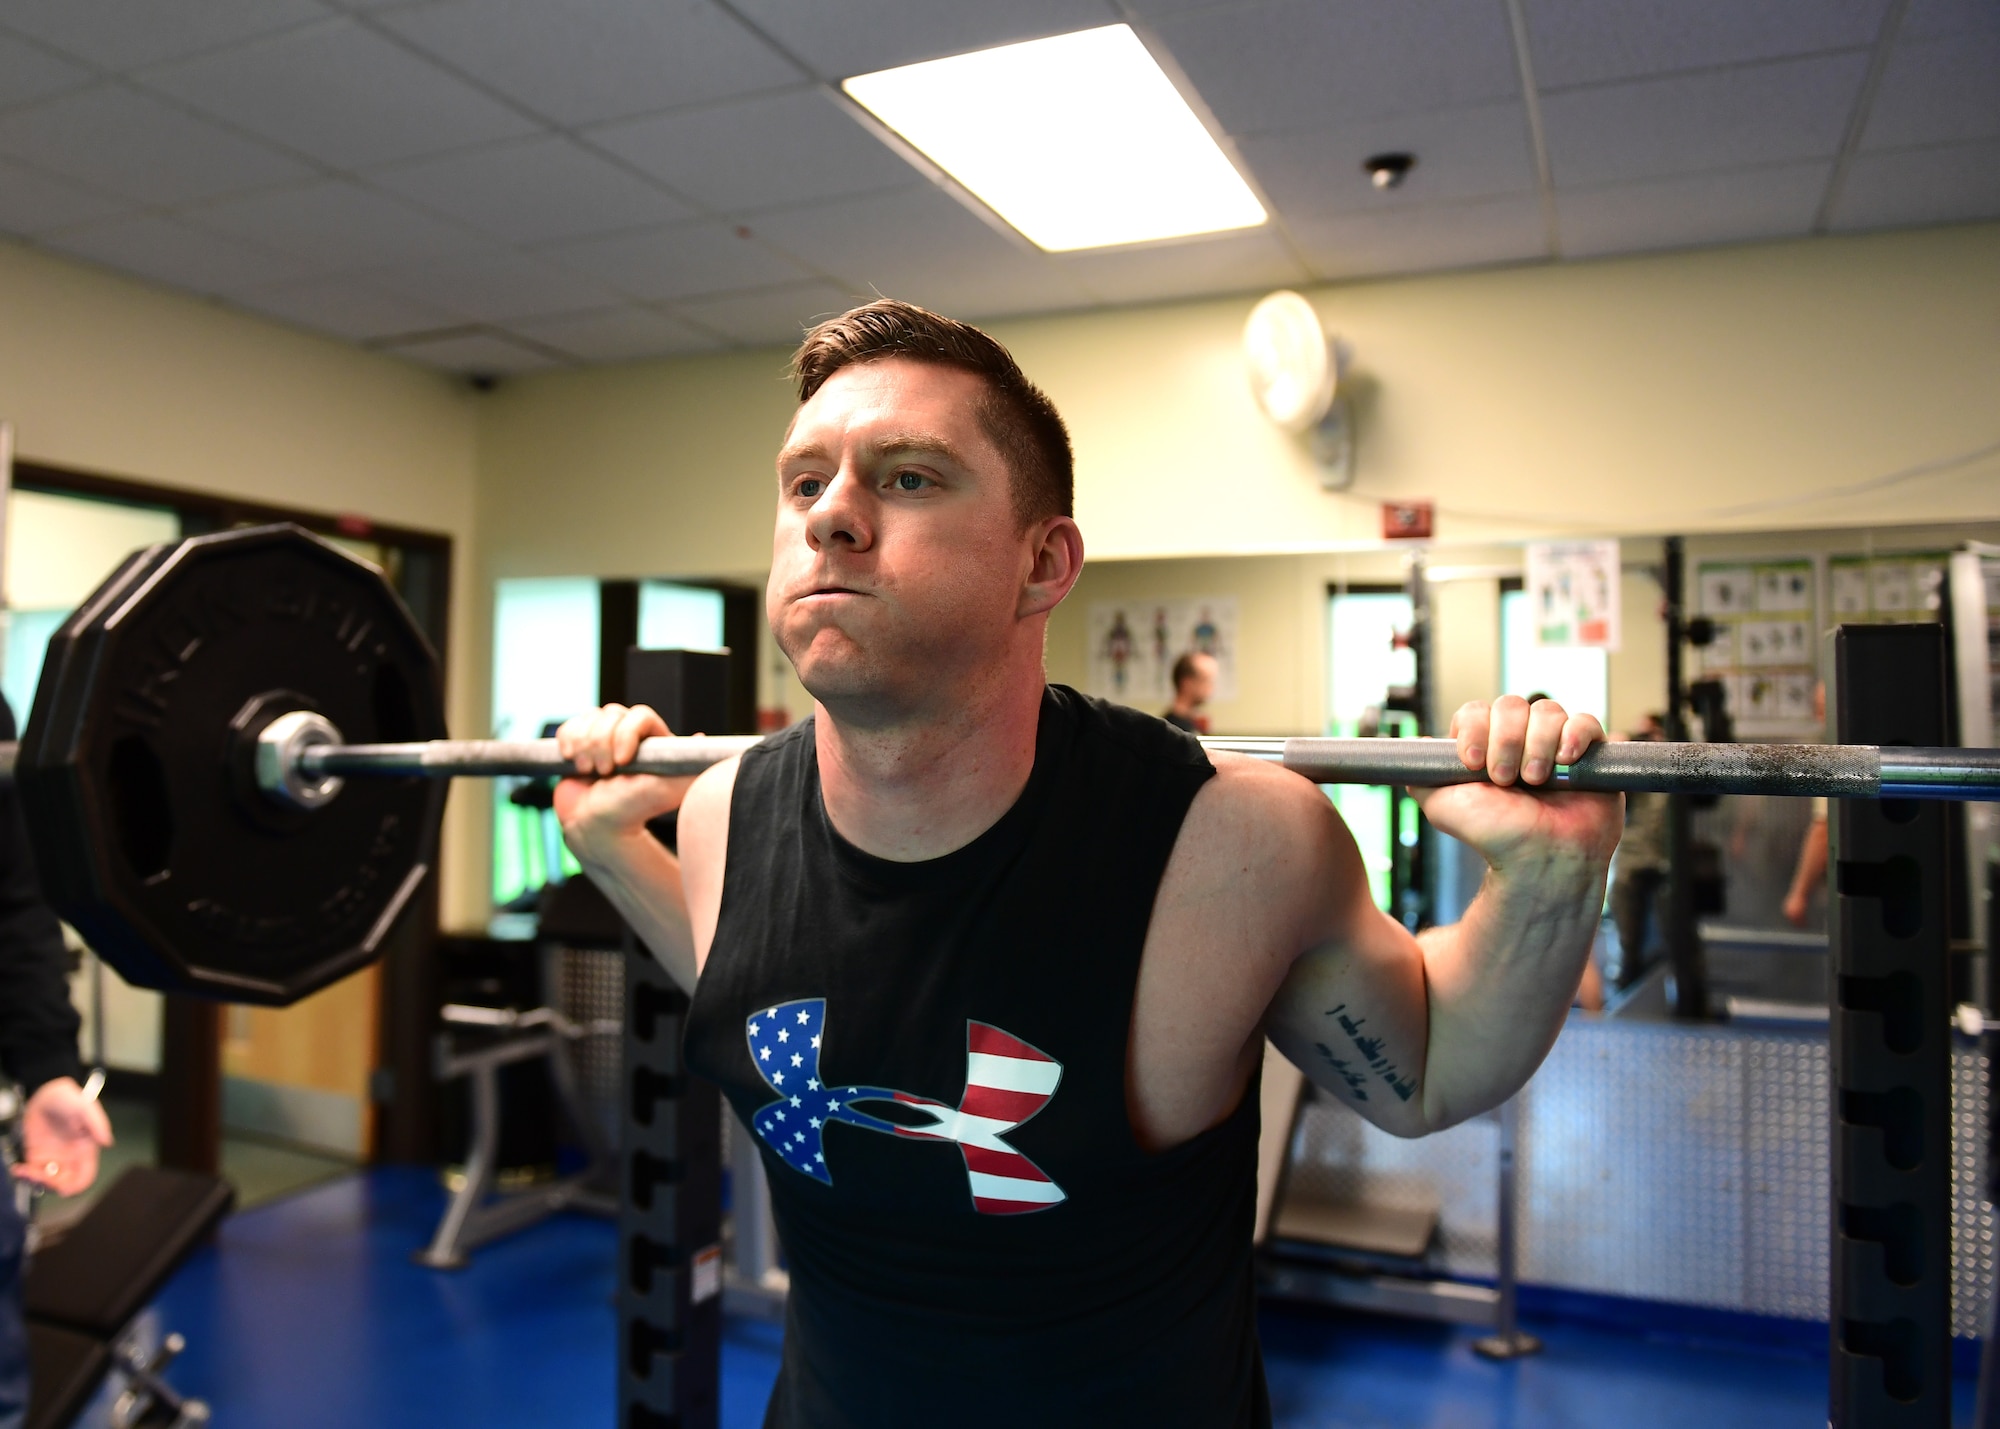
(1890, 1310)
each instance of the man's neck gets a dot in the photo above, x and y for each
(917, 789)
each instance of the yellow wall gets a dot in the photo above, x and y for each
(1638, 395)
(1648, 394)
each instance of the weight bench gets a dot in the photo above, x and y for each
(83, 1292)
(472, 1217)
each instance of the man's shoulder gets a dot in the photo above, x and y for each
(1257, 805)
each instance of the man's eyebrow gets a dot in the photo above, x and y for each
(802, 451)
(917, 444)
(892, 445)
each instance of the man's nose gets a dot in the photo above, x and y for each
(840, 517)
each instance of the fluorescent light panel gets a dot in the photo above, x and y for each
(1079, 141)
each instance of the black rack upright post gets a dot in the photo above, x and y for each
(1890, 1310)
(1678, 929)
(670, 1203)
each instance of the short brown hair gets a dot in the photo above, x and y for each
(1017, 415)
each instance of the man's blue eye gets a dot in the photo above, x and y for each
(910, 481)
(811, 486)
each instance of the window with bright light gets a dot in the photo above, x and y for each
(544, 671)
(1363, 662)
(545, 655)
(679, 617)
(58, 549)
(1078, 141)
(1576, 677)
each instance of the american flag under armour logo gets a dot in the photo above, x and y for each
(1006, 1082)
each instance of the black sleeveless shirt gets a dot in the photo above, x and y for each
(932, 1059)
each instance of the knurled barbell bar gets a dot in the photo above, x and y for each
(202, 820)
(303, 762)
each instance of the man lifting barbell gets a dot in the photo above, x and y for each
(1039, 936)
(1110, 911)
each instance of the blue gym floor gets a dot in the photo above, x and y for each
(308, 1312)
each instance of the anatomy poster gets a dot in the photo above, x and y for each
(1764, 649)
(1134, 643)
(1573, 587)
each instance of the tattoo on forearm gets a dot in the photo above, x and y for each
(1372, 1055)
(1357, 1082)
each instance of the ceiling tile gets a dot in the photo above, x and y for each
(494, 285)
(131, 146)
(174, 254)
(1461, 154)
(335, 226)
(1201, 267)
(534, 190)
(680, 262)
(583, 61)
(485, 354)
(771, 315)
(29, 72)
(1415, 240)
(346, 307)
(621, 334)
(124, 34)
(1938, 92)
(1955, 184)
(1152, 10)
(975, 295)
(1734, 118)
(1301, 64)
(33, 202)
(1941, 19)
(1689, 212)
(759, 153)
(340, 93)
(922, 245)
(862, 36)
(1591, 41)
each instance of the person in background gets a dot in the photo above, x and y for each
(1194, 683)
(1641, 869)
(1811, 871)
(61, 1128)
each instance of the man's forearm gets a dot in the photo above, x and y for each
(1500, 981)
(643, 882)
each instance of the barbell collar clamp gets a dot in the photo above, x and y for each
(280, 763)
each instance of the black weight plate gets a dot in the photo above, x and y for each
(150, 839)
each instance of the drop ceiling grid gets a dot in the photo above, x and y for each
(540, 180)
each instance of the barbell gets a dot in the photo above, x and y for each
(201, 817)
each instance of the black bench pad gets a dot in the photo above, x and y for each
(114, 1261)
(66, 1368)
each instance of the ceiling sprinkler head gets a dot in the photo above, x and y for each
(1386, 171)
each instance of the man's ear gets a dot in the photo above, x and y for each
(1058, 561)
